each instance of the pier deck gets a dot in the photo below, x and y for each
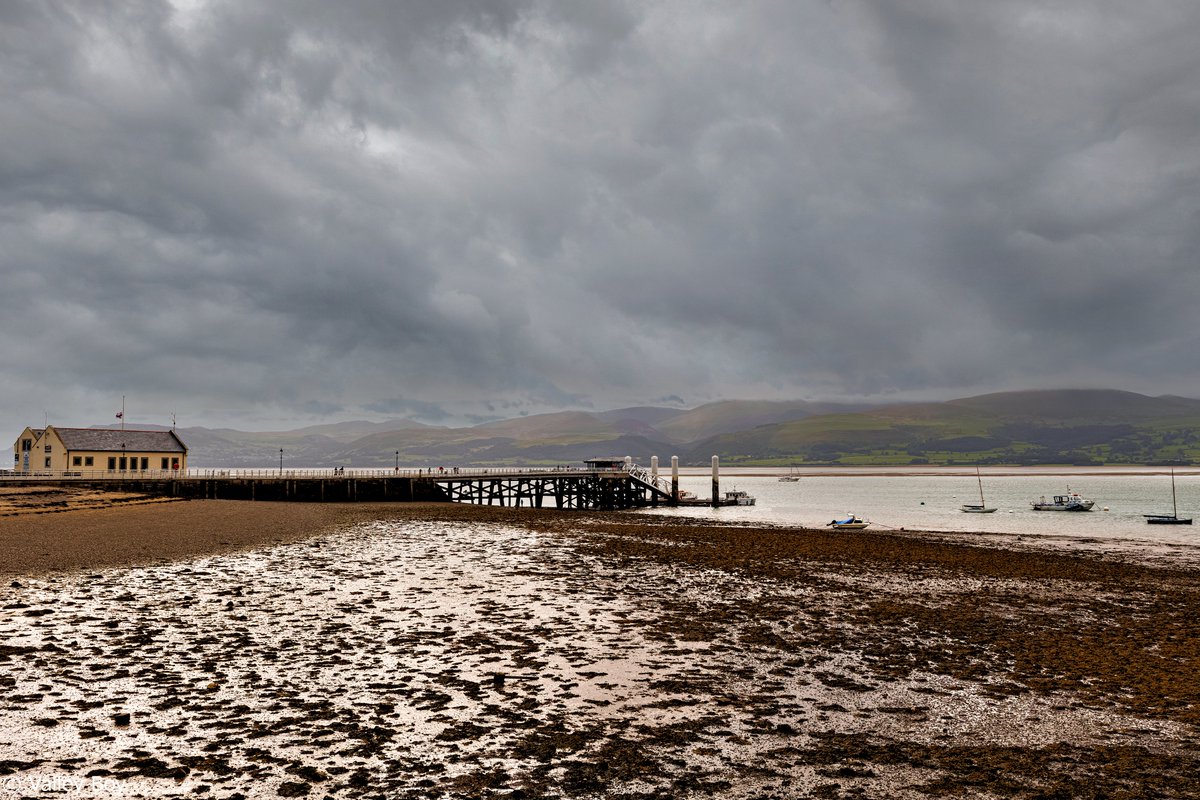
(561, 487)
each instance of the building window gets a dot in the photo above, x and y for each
(88, 461)
(174, 463)
(76, 461)
(166, 462)
(145, 462)
(26, 445)
(48, 448)
(124, 462)
(47, 463)
(112, 462)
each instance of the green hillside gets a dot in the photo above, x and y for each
(1049, 427)
(730, 416)
(568, 425)
(1059, 427)
(1080, 406)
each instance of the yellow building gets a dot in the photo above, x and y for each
(54, 449)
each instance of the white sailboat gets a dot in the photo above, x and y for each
(981, 507)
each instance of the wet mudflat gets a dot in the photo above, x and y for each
(479, 653)
(18, 500)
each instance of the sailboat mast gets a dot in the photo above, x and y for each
(1174, 509)
(978, 478)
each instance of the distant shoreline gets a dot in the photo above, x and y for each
(907, 471)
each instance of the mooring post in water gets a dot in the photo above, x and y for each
(716, 499)
(675, 479)
(654, 480)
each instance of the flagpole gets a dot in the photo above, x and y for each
(122, 412)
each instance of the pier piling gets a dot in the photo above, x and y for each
(716, 481)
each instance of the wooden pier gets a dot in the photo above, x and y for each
(601, 486)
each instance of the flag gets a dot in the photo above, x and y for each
(120, 414)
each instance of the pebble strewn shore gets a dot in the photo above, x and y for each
(434, 651)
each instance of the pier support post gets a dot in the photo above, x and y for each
(654, 480)
(675, 479)
(716, 484)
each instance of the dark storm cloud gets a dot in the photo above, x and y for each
(260, 213)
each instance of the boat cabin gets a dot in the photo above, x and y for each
(614, 464)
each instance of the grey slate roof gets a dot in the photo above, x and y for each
(115, 441)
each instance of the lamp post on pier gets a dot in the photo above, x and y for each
(397, 461)
(281, 461)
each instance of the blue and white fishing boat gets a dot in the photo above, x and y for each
(1071, 501)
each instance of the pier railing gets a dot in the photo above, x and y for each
(591, 487)
(208, 473)
(658, 484)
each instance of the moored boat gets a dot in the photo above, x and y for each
(851, 522)
(738, 498)
(1071, 501)
(981, 507)
(1169, 519)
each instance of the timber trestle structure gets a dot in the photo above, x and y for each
(570, 488)
(602, 490)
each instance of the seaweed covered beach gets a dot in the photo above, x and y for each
(456, 651)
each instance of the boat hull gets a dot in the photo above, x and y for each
(972, 509)
(1062, 507)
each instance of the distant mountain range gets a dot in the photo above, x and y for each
(1042, 427)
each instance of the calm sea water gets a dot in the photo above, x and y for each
(929, 499)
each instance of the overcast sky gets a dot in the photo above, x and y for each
(268, 214)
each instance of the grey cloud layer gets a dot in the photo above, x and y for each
(273, 211)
